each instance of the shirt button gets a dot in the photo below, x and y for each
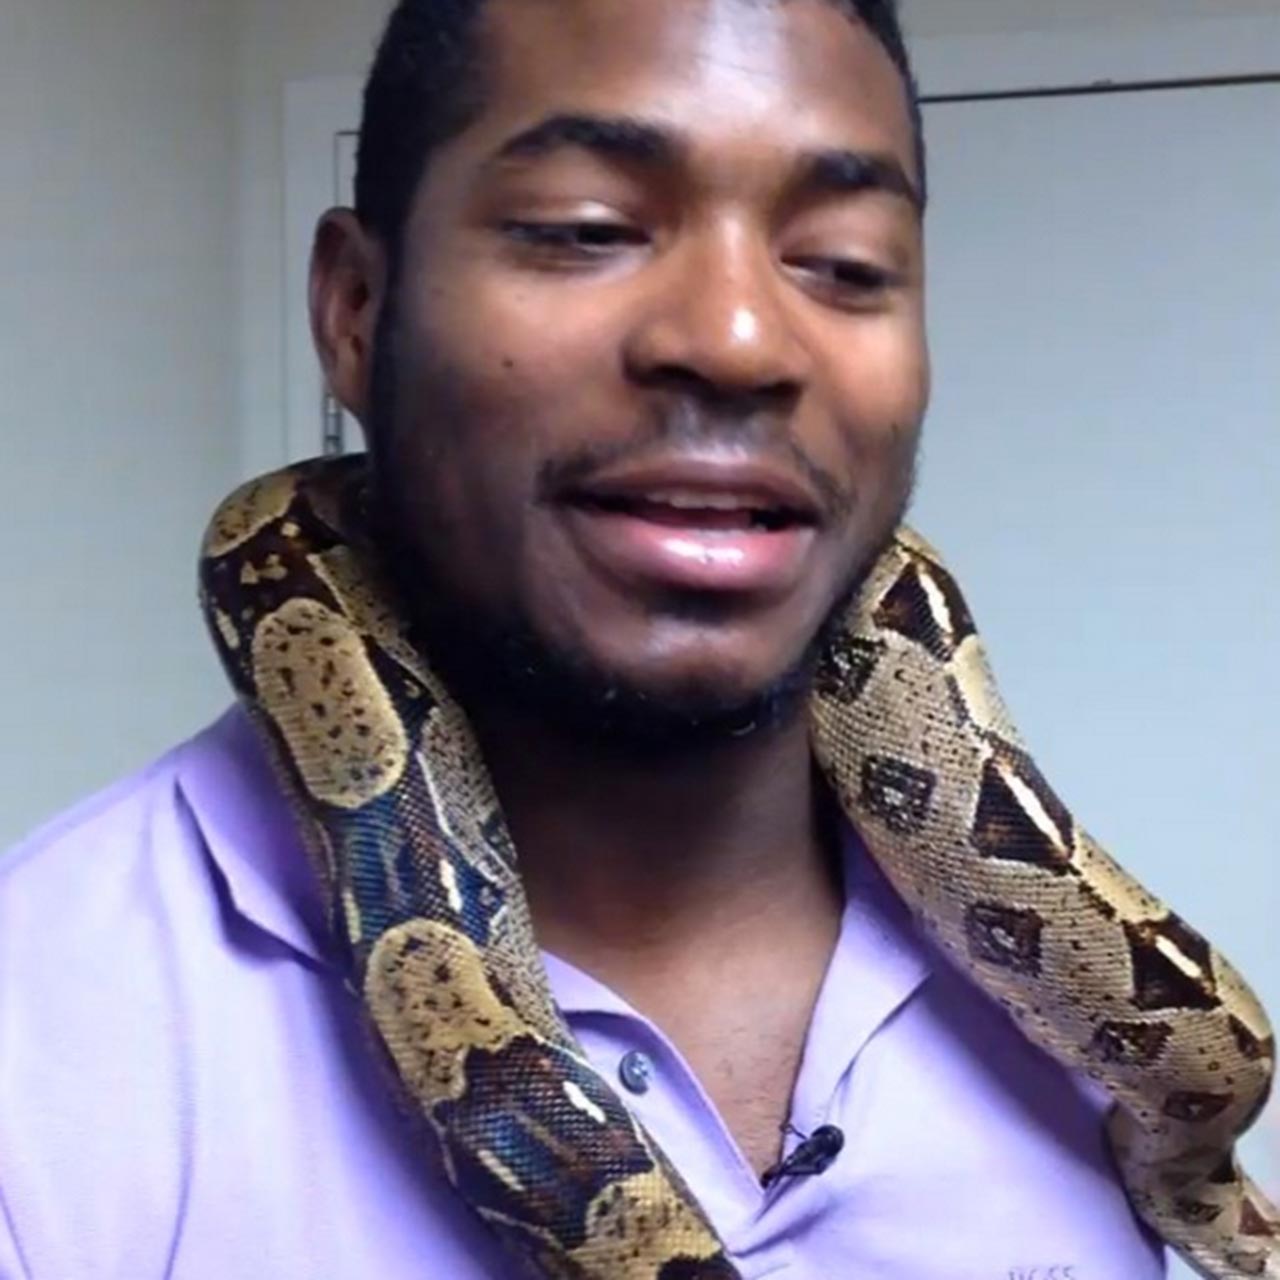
(636, 1070)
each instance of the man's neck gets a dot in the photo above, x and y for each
(704, 889)
(637, 869)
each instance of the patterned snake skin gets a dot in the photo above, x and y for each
(425, 897)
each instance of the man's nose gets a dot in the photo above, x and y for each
(718, 326)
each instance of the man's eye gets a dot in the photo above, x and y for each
(579, 237)
(847, 276)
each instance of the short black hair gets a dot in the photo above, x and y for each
(426, 87)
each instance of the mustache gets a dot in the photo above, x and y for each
(573, 468)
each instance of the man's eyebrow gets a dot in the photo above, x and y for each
(615, 137)
(851, 172)
(836, 171)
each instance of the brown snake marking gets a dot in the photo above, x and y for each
(420, 876)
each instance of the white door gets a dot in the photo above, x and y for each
(1102, 466)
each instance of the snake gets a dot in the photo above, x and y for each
(434, 935)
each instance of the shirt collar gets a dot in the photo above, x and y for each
(880, 962)
(251, 835)
(252, 839)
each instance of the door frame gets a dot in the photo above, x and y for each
(316, 113)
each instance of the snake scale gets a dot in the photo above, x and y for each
(426, 900)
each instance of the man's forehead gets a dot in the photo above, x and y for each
(798, 67)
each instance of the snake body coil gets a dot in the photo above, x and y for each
(420, 876)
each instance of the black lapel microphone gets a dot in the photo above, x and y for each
(815, 1154)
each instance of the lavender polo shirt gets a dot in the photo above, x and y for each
(186, 1090)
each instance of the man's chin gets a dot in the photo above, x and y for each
(506, 670)
(630, 721)
(696, 712)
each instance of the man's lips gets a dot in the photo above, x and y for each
(703, 491)
(721, 528)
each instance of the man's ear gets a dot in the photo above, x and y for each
(346, 293)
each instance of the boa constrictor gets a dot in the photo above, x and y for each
(426, 900)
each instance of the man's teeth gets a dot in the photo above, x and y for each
(692, 501)
(699, 507)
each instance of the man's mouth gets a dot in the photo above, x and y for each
(697, 525)
(698, 510)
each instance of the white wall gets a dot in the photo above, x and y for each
(117, 421)
(972, 17)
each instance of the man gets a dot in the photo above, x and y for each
(631, 309)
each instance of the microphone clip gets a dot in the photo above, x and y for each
(813, 1156)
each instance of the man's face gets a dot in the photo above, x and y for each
(657, 362)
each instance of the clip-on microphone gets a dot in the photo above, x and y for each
(815, 1154)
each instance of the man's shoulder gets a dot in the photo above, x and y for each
(63, 865)
(101, 899)
(156, 865)
(93, 837)
(115, 930)
(130, 973)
